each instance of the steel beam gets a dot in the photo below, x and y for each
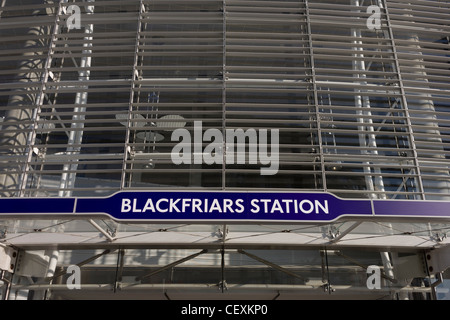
(201, 240)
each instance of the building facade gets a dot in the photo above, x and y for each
(97, 97)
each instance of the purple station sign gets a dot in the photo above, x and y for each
(223, 206)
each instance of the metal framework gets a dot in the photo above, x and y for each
(362, 113)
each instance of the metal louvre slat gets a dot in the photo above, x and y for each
(427, 4)
(16, 23)
(425, 17)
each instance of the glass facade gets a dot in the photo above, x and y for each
(360, 99)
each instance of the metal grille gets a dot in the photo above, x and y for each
(361, 112)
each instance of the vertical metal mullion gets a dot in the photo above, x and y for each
(224, 91)
(31, 138)
(316, 99)
(131, 100)
(404, 102)
(224, 119)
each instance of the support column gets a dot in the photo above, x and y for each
(362, 103)
(20, 110)
(368, 139)
(76, 134)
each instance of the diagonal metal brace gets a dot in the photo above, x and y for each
(105, 233)
(173, 264)
(340, 235)
(273, 265)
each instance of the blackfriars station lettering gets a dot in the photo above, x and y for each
(196, 205)
(227, 206)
